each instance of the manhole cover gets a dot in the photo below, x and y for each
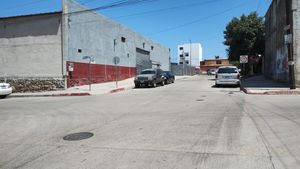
(200, 100)
(78, 136)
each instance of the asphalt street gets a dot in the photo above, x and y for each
(186, 125)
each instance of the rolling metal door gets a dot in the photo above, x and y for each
(142, 60)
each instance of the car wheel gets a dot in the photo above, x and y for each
(173, 81)
(163, 83)
(154, 85)
(137, 86)
(2, 96)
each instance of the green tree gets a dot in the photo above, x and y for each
(245, 36)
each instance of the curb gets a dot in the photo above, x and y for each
(50, 95)
(71, 94)
(280, 92)
(117, 90)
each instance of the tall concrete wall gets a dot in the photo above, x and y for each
(91, 34)
(30, 46)
(95, 35)
(296, 39)
(276, 56)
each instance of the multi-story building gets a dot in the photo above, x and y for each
(213, 64)
(189, 54)
(49, 51)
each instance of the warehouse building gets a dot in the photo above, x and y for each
(72, 47)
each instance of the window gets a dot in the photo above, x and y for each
(152, 47)
(123, 39)
(180, 63)
(144, 45)
(79, 50)
(227, 70)
(187, 62)
(219, 62)
(181, 55)
(181, 48)
(186, 54)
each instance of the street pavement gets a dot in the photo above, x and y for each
(188, 124)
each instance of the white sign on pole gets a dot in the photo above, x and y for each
(244, 59)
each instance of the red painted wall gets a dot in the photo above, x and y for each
(98, 73)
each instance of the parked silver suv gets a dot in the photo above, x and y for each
(149, 77)
(228, 75)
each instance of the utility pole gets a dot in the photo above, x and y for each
(290, 45)
(190, 57)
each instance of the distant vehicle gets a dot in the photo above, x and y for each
(5, 90)
(228, 75)
(149, 77)
(211, 71)
(169, 77)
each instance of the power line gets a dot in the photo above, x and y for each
(23, 5)
(112, 5)
(171, 8)
(258, 5)
(198, 20)
(154, 11)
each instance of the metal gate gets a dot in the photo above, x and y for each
(142, 60)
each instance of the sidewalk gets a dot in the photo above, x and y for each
(262, 86)
(96, 89)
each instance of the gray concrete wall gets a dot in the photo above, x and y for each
(94, 34)
(276, 54)
(296, 39)
(30, 46)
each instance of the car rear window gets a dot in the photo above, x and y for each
(227, 70)
(148, 72)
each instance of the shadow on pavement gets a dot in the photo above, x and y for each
(259, 81)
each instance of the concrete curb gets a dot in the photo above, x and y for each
(278, 92)
(49, 95)
(117, 90)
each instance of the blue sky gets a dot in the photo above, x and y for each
(170, 22)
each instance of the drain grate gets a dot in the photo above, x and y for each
(78, 136)
(200, 100)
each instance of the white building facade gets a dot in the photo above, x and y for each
(189, 54)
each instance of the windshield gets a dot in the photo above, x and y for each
(227, 70)
(147, 72)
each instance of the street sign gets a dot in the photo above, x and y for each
(116, 60)
(244, 59)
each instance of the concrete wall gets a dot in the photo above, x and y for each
(101, 38)
(30, 46)
(296, 39)
(276, 54)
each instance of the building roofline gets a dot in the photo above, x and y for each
(30, 15)
(214, 59)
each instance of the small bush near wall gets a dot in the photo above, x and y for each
(34, 85)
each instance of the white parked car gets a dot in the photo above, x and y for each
(228, 75)
(5, 90)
